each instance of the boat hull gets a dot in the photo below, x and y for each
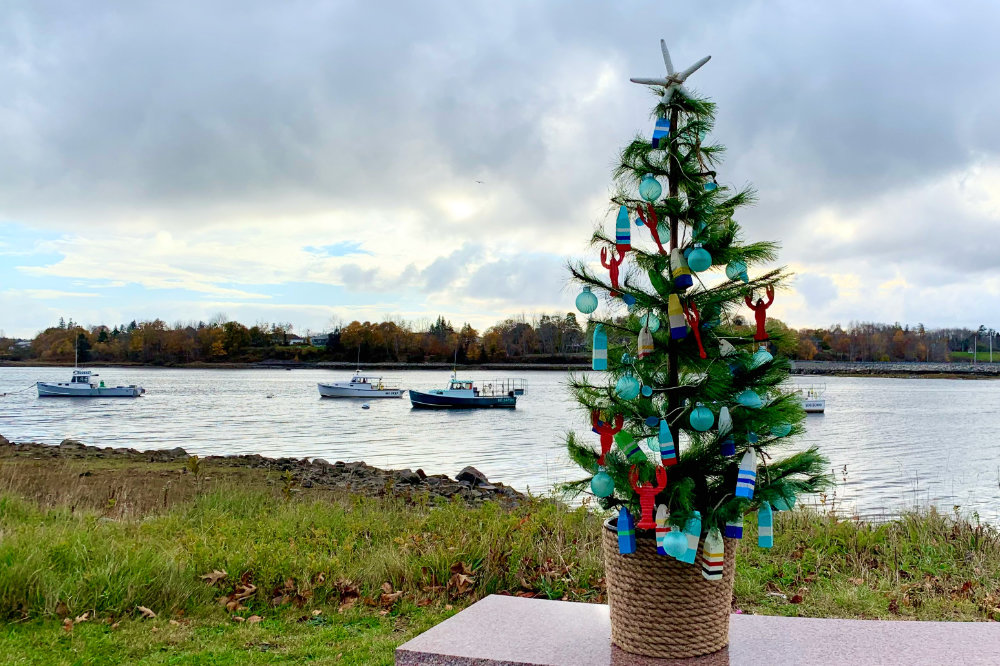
(814, 405)
(435, 401)
(46, 390)
(331, 391)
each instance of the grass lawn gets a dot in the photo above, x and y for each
(313, 575)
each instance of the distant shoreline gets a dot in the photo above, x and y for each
(889, 369)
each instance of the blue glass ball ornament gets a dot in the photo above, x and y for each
(626, 359)
(781, 429)
(699, 260)
(652, 421)
(752, 437)
(602, 484)
(701, 418)
(639, 222)
(737, 270)
(760, 357)
(675, 543)
(687, 253)
(627, 388)
(647, 391)
(651, 321)
(711, 185)
(629, 299)
(586, 302)
(749, 398)
(650, 188)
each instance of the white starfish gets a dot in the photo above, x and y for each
(674, 80)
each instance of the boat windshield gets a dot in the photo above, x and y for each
(461, 386)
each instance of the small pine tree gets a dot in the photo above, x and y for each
(693, 367)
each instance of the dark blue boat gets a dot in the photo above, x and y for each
(464, 394)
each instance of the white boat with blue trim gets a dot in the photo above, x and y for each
(362, 386)
(82, 385)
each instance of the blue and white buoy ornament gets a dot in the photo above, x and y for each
(660, 132)
(626, 532)
(734, 528)
(746, 478)
(692, 530)
(668, 451)
(623, 231)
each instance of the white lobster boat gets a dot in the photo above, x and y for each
(362, 386)
(81, 385)
(812, 398)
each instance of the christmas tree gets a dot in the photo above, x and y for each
(692, 415)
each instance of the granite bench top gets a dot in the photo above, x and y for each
(510, 631)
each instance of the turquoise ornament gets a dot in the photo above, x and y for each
(675, 543)
(652, 422)
(600, 355)
(586, 302)
(749, 399)
(629, 299)
(701, 418)
(699, 260)
(737, 270)
(650, 321)
(627, 388)
(602, 484)
(647, 391)
(784, 503)
(781, 429)
(650, 188)
(711, 185)
(760, 357)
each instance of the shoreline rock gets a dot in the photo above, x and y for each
(355, 477)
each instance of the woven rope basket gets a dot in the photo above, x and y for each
(661, 607)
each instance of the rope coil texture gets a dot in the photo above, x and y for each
(661, 607)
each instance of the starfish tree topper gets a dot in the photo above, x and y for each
(673, 80)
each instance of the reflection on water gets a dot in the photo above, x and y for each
(903, 441)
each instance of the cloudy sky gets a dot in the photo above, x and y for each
(302, 161)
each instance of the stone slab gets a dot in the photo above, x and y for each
(510, 631)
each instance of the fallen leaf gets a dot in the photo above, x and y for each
(796, 599)
(81, 618)
(349, 593)
(68, 626)
(317, 612)
(237, 618)
(214, 577)
(254, 619)
(448, 606)
(114, 625)
(424, 602)
(175, 623)
(62, 610)
(146, 613)
(154, 629)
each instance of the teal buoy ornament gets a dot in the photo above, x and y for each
(627, 388)
(650, 321)
(586, 302)
(760, 357)
(602, 484)
(737, 270)
(749, 399)
(699, 260)
(675, 543)
(650, 188)
(781, 430)
(701, 418)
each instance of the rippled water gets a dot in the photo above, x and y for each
(904, 442)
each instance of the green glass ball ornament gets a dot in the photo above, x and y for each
(749, 398)
(737, 270)
(651, 321)
(701, 418)
(781, 430)
(650, 188)
(602, 484)
(586, 302)
(760, 357)
(627, 388)
(675, 543)
(699, 260)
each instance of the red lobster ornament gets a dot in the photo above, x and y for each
(693, 320)
(760, 312)
(647, 495)
(650, 220)
(606, 431)
(612, 266)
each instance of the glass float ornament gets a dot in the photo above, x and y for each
(781, 429)
(627, 387)
(650, 321)
(760, 357)
(626, 532)
(749, 398)
(784, 503)
(747, 477)
(752, 437)
(699, 260)
(629, 299)
(653, 444)
(737, 270)
(713, 555)
(586, 302)
(647, 391)
(663, 231)
(675, 543)
(765, 526)
(600, 355)
(602, 484)
(711, 185)
(650, 188)
(701, 418)
(652, 422)
(623, 234)
(692, 533)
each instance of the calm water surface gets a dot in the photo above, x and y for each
(903, 442)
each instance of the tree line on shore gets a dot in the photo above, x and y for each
(520, 339)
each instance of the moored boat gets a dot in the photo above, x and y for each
(81, 385)
(811, 397)
(466, 394)
(362, 386)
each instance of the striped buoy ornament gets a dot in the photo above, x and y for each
(765, 526)
(747, 476)
(713, 555)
